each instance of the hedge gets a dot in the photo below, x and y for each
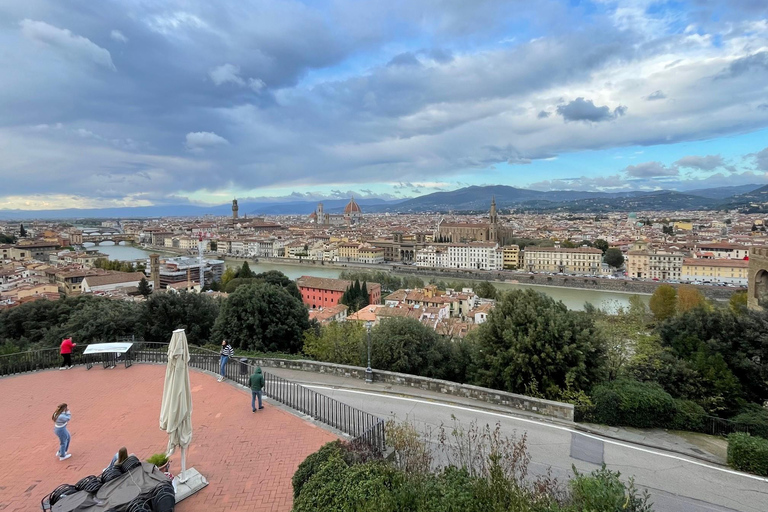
(312, 465)
(633, 404)
(754, 420)
(688, 416)
(748, 453)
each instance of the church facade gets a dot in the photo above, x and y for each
(353, 214)
(459, 232)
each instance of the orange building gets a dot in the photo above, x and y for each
(321, 292)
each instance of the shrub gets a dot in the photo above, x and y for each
(312, 465)
(754, 419)
(603, 490)
(158, 459)
(632, 403)
(748, 453)
(688, 416)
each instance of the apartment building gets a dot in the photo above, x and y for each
(579, 260)
(645, 262)
(321, 292)
(369, 254)
(730, 271)
(473, 255)
(721, 250)
(512, 257)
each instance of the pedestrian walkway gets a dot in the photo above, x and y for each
(248, 458)
(708, 448)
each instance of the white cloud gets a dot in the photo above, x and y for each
(65, 41)
(226, 73)
(118, 36)
(197, 141)
(256, 84)
(230, 73)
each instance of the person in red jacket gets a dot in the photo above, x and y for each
(66, 353)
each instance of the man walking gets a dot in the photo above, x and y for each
(257, 384)
(66, 353)
(226, 352)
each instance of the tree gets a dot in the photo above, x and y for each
(7, 239)
(144, 287)
(228, 275)
(486, 290)
(22, 231)
(663, 302)
(738, 302)
(336, 342)
(688, 297)
(245, 271)
(214, 246)
(405, 345)
(530, 342)
(601, 244)
(263, 317)
(278, 278)
(614, 257)
(162, 313)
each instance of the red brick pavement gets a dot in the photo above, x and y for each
(248, 458)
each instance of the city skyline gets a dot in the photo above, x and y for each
(131, 104)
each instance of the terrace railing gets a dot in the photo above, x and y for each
(361, 426)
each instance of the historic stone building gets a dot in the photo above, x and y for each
(758, 276)
(352, 215)
(457, 232)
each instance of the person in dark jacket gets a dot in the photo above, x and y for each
(257, 385)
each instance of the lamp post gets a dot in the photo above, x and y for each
(368, 370)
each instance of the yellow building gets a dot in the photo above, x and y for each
(349, 252)
(369, 254)
(644, 262)
(716, 270)
(683, 226)
(512, 257)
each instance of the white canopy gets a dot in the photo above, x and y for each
(176, 408)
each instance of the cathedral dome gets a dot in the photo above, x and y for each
(352, 207)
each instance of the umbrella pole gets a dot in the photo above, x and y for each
(182, 477)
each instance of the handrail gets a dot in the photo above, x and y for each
(362, 426)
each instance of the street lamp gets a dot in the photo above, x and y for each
(368, 370)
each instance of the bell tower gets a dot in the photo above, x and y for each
(493, 229)
(235, 209)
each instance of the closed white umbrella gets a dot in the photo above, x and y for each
(176, 408)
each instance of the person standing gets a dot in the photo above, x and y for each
(226, 352)
(66, 353)
(61, 418)
(257, 385)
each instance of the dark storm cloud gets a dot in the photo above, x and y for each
(585, 110)
(756, 61)
(543, 114)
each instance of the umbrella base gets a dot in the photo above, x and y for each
(193, 482)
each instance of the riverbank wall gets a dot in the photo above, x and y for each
(507, 276)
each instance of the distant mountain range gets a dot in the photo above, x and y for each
(478, 199)
(462, 200)
(251, 209)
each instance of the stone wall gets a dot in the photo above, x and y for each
(586, 283)
(557, 410)
(757, 276)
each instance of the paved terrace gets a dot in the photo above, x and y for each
(248, 458)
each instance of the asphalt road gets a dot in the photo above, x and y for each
(676, 483)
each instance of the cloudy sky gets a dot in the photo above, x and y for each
(140, 102)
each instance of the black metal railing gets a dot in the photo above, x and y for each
(360, 425)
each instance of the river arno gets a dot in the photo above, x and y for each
(573, 298)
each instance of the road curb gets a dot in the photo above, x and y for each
(515, 412)
(594, 432)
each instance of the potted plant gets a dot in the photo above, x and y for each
(160, 460)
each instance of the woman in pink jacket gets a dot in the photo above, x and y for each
(66, 353)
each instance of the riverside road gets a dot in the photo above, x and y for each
(676, 483)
